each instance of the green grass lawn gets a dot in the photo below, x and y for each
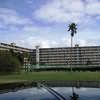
(93, 76)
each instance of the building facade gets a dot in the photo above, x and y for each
(64, 56)
(4, 46)
(25, 51)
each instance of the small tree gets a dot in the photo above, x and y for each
(8, 63)
(88, 62)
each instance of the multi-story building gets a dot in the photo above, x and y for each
(4, 46)
(12, 46)
(62, 56)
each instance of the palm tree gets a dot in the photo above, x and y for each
(72, 29)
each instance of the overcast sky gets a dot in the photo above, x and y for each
(45, 22)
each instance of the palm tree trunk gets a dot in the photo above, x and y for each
(71, 53)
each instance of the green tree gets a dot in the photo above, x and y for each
(8, 63)
(88, 62)
(18, 55)
(73, 29)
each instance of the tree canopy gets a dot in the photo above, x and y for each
(72, 28)
(8, 62)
